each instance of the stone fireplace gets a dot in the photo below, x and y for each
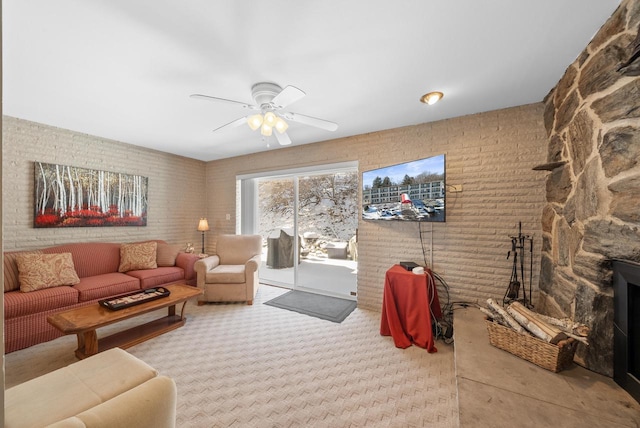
(626, 327)
(592, 214)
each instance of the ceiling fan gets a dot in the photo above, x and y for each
(270, 101)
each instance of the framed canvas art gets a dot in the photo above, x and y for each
(68, 196)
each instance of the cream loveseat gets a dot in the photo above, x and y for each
(232, 274)
(110, 389)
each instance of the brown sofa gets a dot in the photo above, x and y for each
(96, 265)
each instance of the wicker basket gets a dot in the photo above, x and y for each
(536, 351)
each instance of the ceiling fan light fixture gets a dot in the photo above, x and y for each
(431, 97)
(281, 126)
(266, 130)
(255, 121)
(270, 102)
(270, 118)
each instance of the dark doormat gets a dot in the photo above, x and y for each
(316, 305)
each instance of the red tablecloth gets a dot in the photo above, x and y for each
(406, 315)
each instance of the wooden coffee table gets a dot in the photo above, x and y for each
(84, 321)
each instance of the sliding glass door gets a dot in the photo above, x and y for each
(307, 219)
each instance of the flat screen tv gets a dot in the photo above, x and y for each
(409, 191)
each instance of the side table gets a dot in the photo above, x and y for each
(408, 303)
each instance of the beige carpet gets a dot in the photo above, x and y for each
(259, 366)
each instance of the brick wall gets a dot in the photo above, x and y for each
(176, 196)
(490, 154)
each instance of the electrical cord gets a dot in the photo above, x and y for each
(463, 305)
(424, 254)
(438, 329)
(444, 327)
(441, 328)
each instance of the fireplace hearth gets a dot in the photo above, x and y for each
(626, 328)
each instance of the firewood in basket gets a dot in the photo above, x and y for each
(576, 331)
(535, 325)
(566, 325)
(513, 323)
(494, 316)
(537, 331)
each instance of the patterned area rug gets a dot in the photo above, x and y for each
(316, 305)
(237, 365)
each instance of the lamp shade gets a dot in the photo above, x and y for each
(270, 118)
(203, 225)
(255, 121)
(266, 130)
(281, 125)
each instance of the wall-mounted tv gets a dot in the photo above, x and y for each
(409, 191)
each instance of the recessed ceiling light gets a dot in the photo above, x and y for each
(431, 97)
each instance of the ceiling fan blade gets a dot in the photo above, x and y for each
(287, 96)
(224, 100)
(312, 121)
(283, 138)
(233, 123)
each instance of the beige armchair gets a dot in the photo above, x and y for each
(232, 274)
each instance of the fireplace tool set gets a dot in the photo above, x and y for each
(518, 244)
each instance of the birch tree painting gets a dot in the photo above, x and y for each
(67, 196)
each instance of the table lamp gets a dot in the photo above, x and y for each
(203, 226)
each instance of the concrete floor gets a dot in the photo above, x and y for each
(497, 389)
(323, 275)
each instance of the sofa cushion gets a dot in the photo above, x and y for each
(90, 258)
(166, 254)
(37, 271)
(107, 285)
(159, 276)
(73, 389)
(226, 274)
(138, 256)
(71, 422)
(17, 303)
(11, 269)
(237, 249)
(99, 372)
(151, 404)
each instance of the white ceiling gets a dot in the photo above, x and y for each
(124, 69)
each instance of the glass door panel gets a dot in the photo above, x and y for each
(327, 222)
(276, 224)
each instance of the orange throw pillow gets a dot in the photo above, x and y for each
(11, 274)
(138, 256)
(38, 271)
